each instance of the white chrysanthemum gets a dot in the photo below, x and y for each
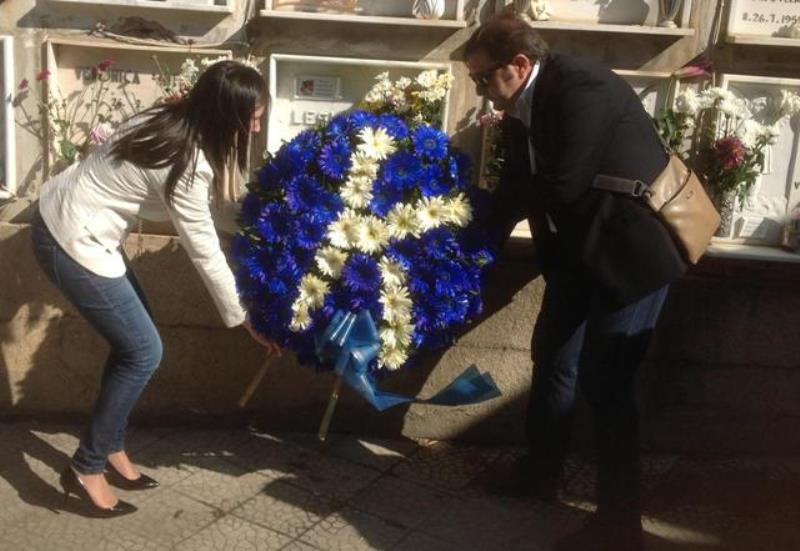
(427, 79)
(734, 107)
(357, 191)
(789, 104)
(459, 211)
(748, 132)
(343, 232)
(313, 291)
(433, 95)
(379, 91)
(403, 83)
(330, 261)
(373, 235)
(362, 165)
(396, 335)
(719, 94)
(402, 221)
(301, 318)
(431, 213)
(770, 133)
(189, 68)
(392, 358)
(687, 103)
(376, 144)
(396, 304)
(392, 272)
(445, 81)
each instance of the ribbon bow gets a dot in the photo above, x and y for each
(351, 341)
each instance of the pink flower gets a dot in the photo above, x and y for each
(100, 133)
(23, 84)
(730, 152)
(699, 67)
(43, 74)
(491, 119)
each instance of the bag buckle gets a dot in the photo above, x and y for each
(640, 189)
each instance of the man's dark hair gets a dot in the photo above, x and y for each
(505, 36)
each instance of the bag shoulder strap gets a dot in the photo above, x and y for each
(634, 188)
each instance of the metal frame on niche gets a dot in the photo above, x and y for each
(332, 89)
(7, 87)
(750, 226)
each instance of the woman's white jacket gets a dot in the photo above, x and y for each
(91, 207)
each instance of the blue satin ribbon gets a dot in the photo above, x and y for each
(351, 342)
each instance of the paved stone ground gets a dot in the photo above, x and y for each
(243, 490)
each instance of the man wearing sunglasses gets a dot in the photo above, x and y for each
(606, 259)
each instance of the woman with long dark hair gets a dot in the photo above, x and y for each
(166, 162)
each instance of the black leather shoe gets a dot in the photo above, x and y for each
(71, 484)
(606, 533)
(144, 482)
(522, 480)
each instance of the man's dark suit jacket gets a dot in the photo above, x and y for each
(585, 121)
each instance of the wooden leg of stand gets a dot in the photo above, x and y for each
(326, 419)
(251, 388)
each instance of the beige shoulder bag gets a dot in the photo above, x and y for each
(679, 199)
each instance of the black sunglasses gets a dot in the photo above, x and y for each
(482, 78)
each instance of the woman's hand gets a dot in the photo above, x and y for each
(272, 348)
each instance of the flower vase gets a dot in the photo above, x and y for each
(428, 9)
(668, 11)
(725, 202)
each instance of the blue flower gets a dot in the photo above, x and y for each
(309, 232)
(275, 223)
(334, 160)
(394, 125)
(327, 207)
(460, 170)
(251, 209)
(359, 119)
(440, 243)
(302, 193)
(435, 182)
(384, 197)
(274, 173)
(337, 127)
(430, 143)
(361, 273)
(402, 170)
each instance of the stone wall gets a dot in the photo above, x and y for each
(723, 372)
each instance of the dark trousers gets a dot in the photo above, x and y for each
(578, 339)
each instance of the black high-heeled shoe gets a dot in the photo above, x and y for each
(115, 478)
(71, 484)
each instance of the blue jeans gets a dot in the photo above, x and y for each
(579, 339)
(117, 309)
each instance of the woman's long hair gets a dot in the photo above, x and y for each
(215, 117)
